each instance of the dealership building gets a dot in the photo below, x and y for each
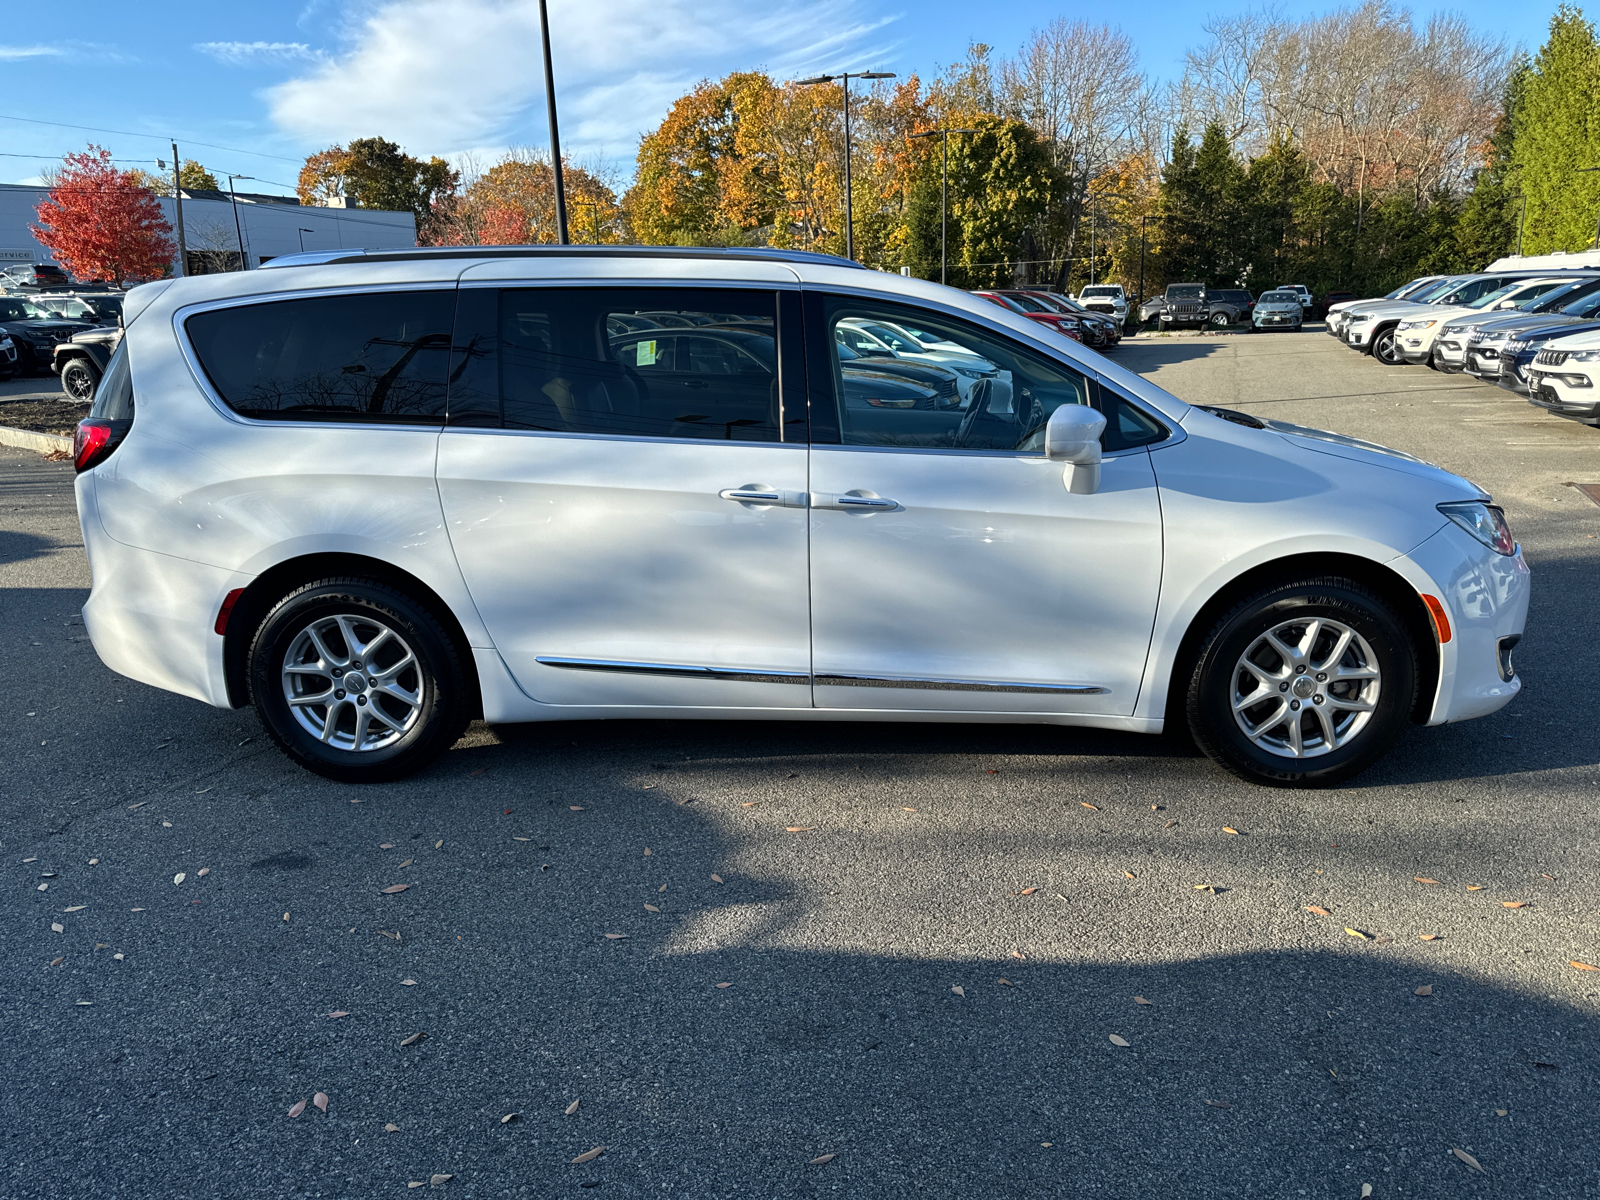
(219, 229)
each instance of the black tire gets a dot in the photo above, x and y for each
(1210, 687)
(1386, 349)
(440, 680)
(79, 380)
(1220, 320)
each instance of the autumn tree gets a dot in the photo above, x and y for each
(101, 224)
(512, 203)
(191, 177)
(375, 173)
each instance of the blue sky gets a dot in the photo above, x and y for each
(268, 81)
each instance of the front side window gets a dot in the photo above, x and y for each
(994, 394)
(362, 356)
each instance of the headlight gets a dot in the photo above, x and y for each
(1585, 356)
(1491, 337)
(971, 372)
(1453, 330)
(1486, 522)
(1418, 324)
(1361, 318)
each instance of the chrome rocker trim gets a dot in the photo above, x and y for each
(672, 670)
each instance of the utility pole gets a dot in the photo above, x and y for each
(238, 230)
(177, 204)
(944, 195)
(555, 133)
(847, 76)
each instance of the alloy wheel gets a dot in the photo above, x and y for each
(1305, 687)
(352, 682)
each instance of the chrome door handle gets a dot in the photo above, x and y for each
(851, 501)
(756, 495)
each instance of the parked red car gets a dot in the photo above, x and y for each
(1105, 330)
(1060, 322)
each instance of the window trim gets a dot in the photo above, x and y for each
(180, 321)
(819, 369)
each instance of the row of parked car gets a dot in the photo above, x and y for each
(1532, 332)
(50, 324)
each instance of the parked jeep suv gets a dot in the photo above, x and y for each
(1184, 304)
(377, 495)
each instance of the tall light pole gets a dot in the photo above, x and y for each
(238, 230)
(302, 231)
(177, 209)
(846, 77)
(555, 133)
(944, 194)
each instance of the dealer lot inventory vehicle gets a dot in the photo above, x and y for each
(35, 332)
(81, 360)
(1335, 315)
(1561, 378)
(1374, 328)
(1107, 298)
(1229, 306)
(1493, 350)
(1277, 310)
(375, 495)
(1110, 328)
(1450, 349)
(1417, 333)
(1183, 304)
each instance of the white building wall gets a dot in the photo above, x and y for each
(268, 230)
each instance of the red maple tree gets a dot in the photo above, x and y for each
(101, 224)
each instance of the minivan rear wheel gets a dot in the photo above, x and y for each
(358, 681)
(1303, 684)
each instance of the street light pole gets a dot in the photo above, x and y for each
(555, 134)
(177, 209)
(846, 76)
(944, 194)
(302, 231)
(238, 230)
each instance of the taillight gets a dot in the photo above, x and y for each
(95, 439)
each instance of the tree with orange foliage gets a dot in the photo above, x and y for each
(101, 224)
(513, 204)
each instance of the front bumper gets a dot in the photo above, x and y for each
(1486, 597)
(1416, 348)
(1549, 391)
(1276, 321)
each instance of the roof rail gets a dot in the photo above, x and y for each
(317, 258)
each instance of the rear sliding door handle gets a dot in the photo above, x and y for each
(754, 495)
(856, 501)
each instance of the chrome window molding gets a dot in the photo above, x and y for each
(673, 670)
(481, 430)
(742, 675)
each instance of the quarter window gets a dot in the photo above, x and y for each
(365, 356)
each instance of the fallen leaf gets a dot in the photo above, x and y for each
(1425, 990)
(571, 1108)
(337, 1013)
(590, 1155)
(166, 824)
(1140, 1000)
(43, 887)
(57, 927)
(1366, 1191)
(1318, 909)
(958, 989)
(179, 878)
(117, 957)
(35, 858)
(515, 838)
(1551, 878)
(575, 807)
(1582, 966)
(1468, 1159)
(716, 879)
(285, 916)
(903, 808)
(1018, 954)
(1206, 887)
(395, 889)
(321, 1101)
(102, 945)
(90, 1004)
(1005, 981)
(416, 1183)
(647, 851)
(1429, 937)
(1515, 903)
(822, 1160)
(407, 863)
(408, 983)
(1356, 933)
(436, 845)
(391, 1127)
(94, 862)
(1219, 1104)
(385, 845)
(1129, 875)
(1169, 825)
(439, 1180)
(1091, 807)
(1028, 891)
(616, 937)
(75, 908)
(56, 962)
(390, 934)
(299, 1108)
(798, 828)
(413, 1039)
(1420, 879)
(1383, 939)
(661, 889)
(724, 985)
(1119, 1041)
(651, 908)
(1230, 829)
(141, 804)
(508, 1118)
(750, 804)
(1499, 1112)
(1474, 887)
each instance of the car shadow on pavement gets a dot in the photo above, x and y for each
(825, 992)
(16, 547)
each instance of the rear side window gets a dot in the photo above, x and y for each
(113, 398)
(368, 357)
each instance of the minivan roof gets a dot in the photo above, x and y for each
(317, 258)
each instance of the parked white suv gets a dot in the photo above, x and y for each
(1108, 298)
(378, 495)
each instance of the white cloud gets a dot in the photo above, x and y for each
(14, 52)
(242, 54)
(440, 75)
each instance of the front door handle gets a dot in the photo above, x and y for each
(855, 501)
(755, 495)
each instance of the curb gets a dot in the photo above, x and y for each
(26, 439)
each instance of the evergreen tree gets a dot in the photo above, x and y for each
(1489, 219)
(1556, 131)
(1272, 189)
(1202, 191)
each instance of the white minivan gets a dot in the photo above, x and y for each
(376, 495)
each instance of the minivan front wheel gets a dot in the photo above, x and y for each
(358, 681)
(1303, 684)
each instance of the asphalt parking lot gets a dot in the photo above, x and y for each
(855, 960)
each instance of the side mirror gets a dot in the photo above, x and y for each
(1072, 436)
